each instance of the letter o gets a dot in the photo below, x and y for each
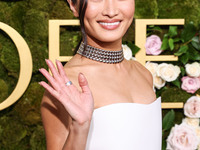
(26, 66)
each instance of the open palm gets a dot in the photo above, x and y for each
(79, 104)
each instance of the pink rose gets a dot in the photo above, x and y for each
(192, 107)
(153, 45)
(182, 137)
(190, 84)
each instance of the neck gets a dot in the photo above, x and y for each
(110, 46)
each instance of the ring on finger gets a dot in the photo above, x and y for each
(68, 83)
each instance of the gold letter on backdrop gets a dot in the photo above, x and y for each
(54, 36)
(25, 66)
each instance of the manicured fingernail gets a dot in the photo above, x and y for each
(81, 74)
(39, 83)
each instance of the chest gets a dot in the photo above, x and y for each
(108, 89)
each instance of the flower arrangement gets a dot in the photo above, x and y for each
(184, 75)
(181, 77)
(164, 72)
(186, 136)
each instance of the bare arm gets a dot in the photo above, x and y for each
(66, 112)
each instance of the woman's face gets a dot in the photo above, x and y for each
(108, 20)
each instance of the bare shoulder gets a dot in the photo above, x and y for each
(146, 78)
(143, 70)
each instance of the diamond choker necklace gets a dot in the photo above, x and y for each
(101, 55)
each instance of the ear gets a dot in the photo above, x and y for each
(73, 8)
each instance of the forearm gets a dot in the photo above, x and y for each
(77, 137)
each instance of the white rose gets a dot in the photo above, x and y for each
(182, 137)
(152, 67)
(193, 69)
(168, 72)
(127, 52)
(158, 82)
(191, 121)
(197, 129)
(192, 107)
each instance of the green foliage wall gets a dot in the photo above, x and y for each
(20, 124)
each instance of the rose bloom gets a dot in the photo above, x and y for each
(168, 72)
(197, 129)
(152, 67)
(153, 45)
(192, 107)
(193, 70)
(158, 82)
(182, 137)
(127, 52)
(191, 121)
(190, 84)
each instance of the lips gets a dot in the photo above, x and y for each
(109, 24)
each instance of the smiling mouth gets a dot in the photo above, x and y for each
(109, 25)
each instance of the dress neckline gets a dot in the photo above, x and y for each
(128, 103)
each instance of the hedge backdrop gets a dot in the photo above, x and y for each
(20, 125)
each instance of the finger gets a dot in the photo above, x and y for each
(62, 71)
(53, 69)
(69, 106)
(51, 80)
(64, 76)
(49, 89)
(83, 83)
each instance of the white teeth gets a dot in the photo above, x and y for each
(109, 24)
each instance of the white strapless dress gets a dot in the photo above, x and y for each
(126, 126)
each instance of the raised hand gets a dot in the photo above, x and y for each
(79, 104)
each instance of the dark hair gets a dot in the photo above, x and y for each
(82, 9)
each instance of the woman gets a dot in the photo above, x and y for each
(106, 111)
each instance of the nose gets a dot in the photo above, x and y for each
(110, 8)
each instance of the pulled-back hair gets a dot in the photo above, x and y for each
(82, 10)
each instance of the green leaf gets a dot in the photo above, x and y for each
(183, 49)
(188, 32)
(177, 39)
(193, 53)
(164, 144)
(184, 58)
(172, 31)
(183, 70)
(196, 42)
(156, 28)
(133, 47)
(171, 44)
(151, 26)
(177, 83)
(168, 120)
(165, 44)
